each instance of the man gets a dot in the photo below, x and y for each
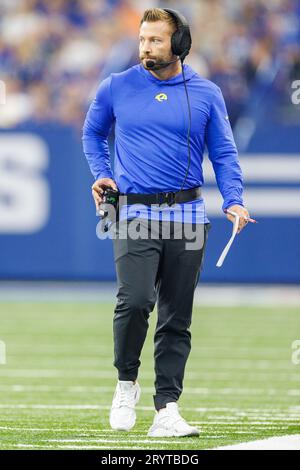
(148, 104)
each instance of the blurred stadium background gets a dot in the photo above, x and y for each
(57, 280)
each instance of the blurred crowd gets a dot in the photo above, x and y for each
(54, 53)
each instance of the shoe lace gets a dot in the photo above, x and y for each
(173, 417)
(126, 397)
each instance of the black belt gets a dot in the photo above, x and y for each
(169, 198)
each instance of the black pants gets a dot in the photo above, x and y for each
(150, 269)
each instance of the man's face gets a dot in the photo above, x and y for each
(155, 42)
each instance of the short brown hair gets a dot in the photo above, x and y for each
(158, 14)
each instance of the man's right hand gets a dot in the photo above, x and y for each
(98, 189)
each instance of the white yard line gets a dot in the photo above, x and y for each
(187, 390)
(271, 443)
(93, 351)
(62, 407)
(13, 428)
(117, 440)
(75, 447)
(207, 424)
(265, 411)
(280, 365)
(106, 432)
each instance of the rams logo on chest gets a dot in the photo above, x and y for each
(161, 97)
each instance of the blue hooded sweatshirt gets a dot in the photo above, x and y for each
(151, 152)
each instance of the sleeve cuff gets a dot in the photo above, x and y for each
(105, 174)
(233, 202)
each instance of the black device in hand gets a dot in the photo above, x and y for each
(110, 197)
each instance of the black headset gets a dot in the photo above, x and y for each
(181, 40)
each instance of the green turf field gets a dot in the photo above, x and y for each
(57, 386)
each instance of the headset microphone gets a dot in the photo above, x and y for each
(151, 63)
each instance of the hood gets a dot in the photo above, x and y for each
(189, 73)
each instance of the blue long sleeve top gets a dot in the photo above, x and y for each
(151, 126)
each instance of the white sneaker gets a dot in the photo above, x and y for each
(168, 423)
(122, 414)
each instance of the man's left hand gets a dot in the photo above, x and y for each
(242, 212)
